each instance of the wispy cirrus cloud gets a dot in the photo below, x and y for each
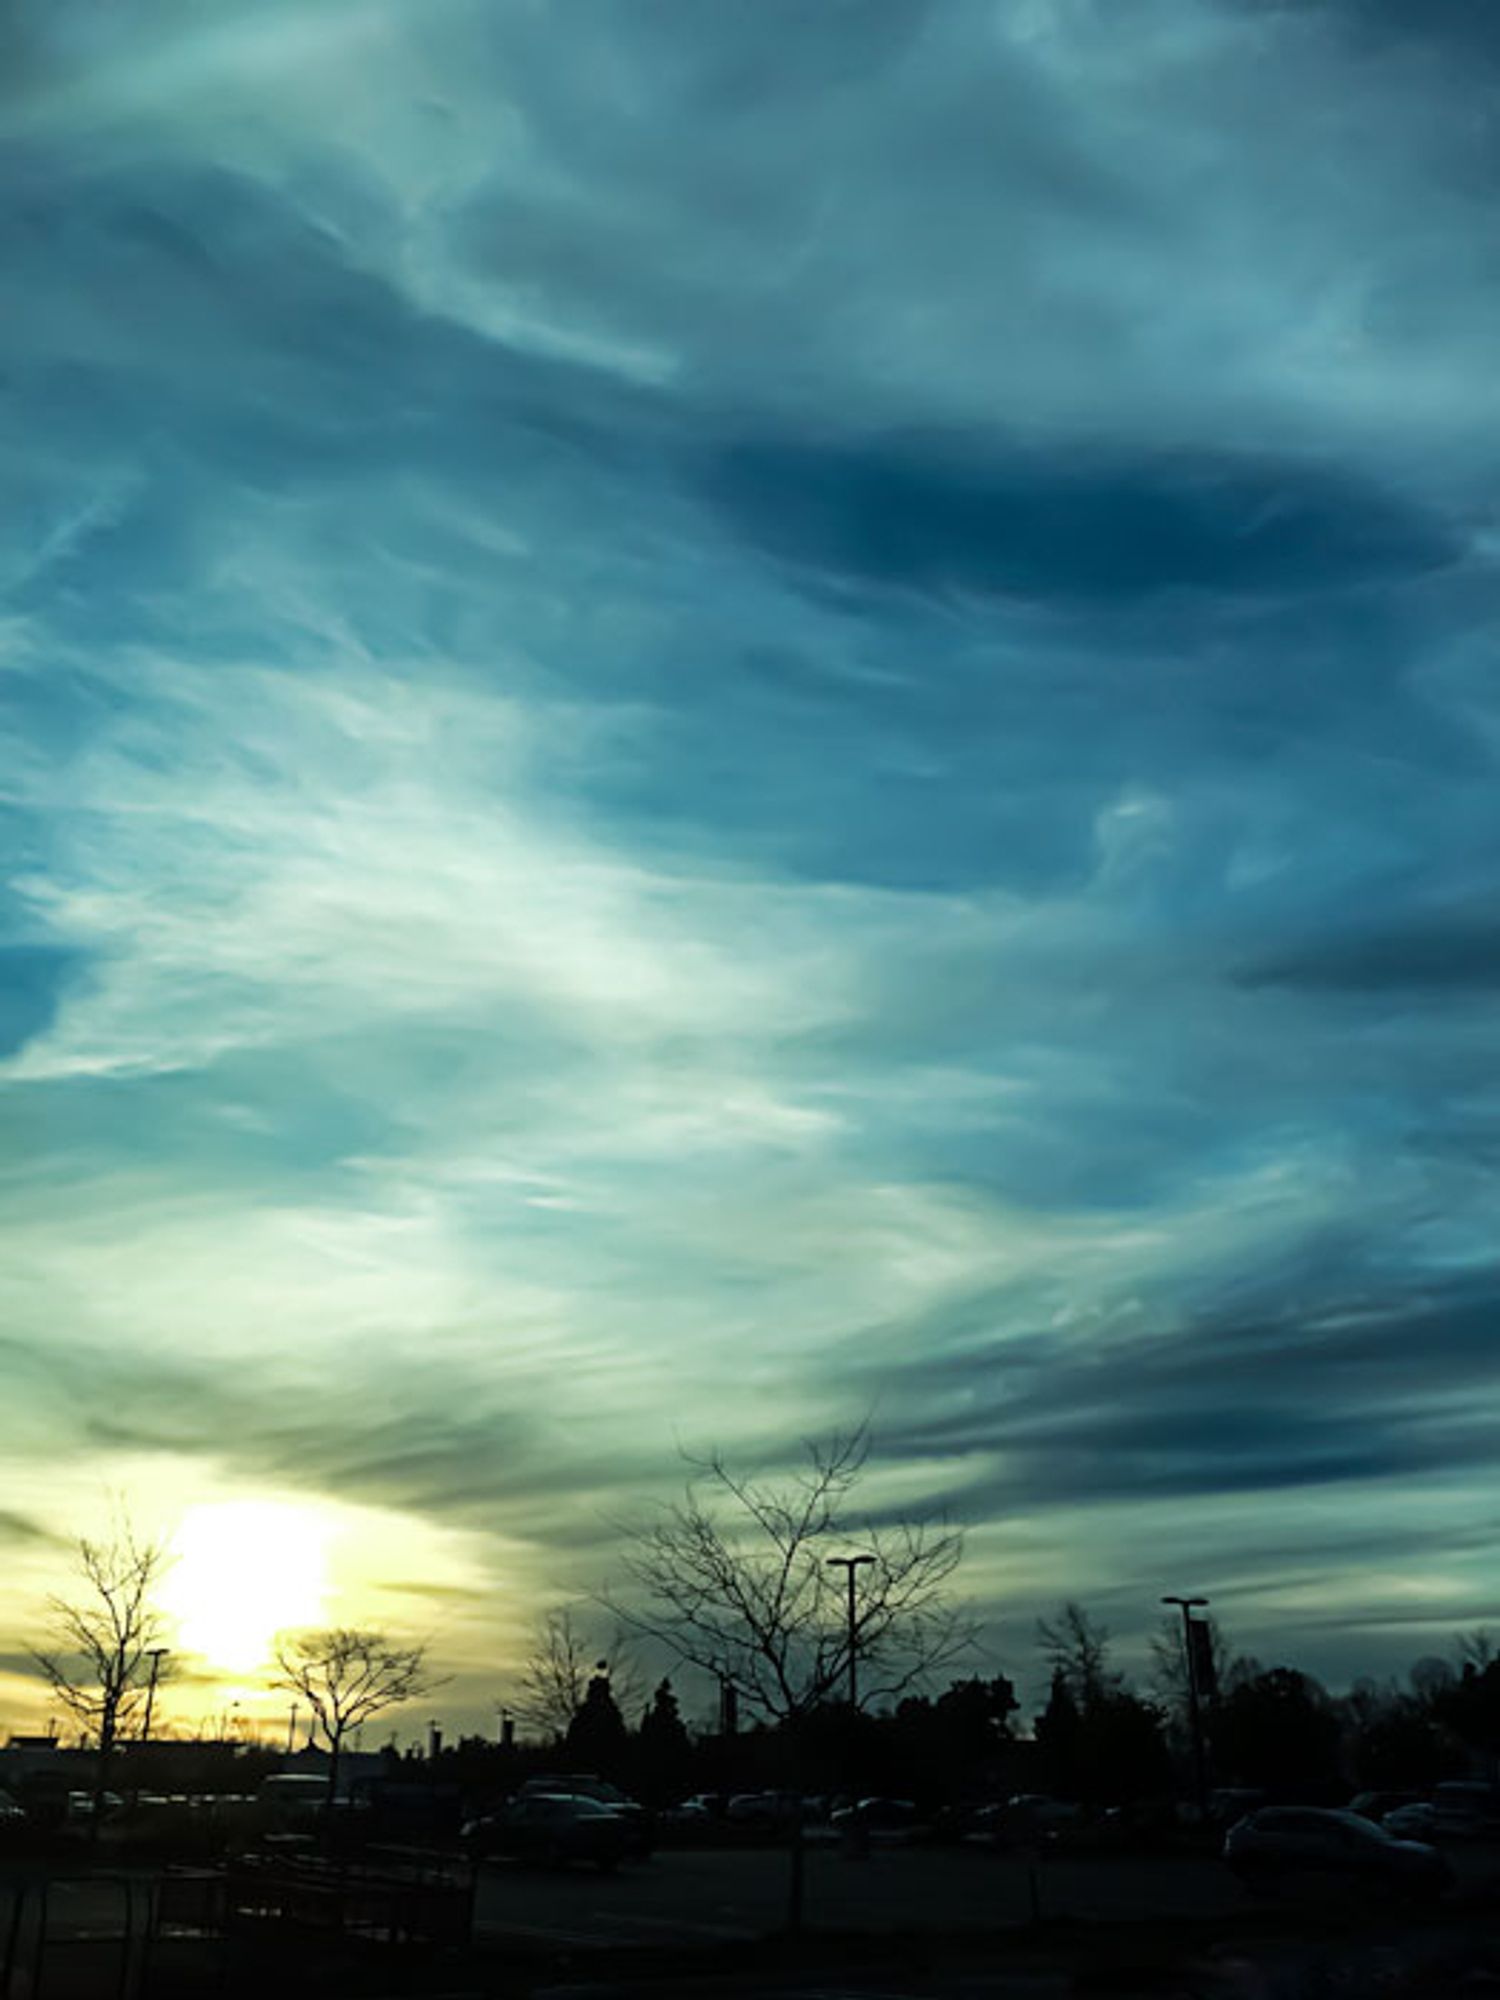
(694, 742)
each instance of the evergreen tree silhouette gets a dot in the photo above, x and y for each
(597, 1738)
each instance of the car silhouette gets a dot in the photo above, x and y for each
(888, 1822)
(1281, 1845)
(1458, 1810)
(552, 1830)
(638, 1823)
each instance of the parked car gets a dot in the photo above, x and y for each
(887, 1822)
(1378, 1805)
(704, 1805)
(1458, 1810)
(1035, 1816)
(550, 1829)
(993, 1825)
(764, 1812)
(687, 1814)
(1281, 1843)
(83, 1805)
(1143, 1823)
(577, 1785)
(1232, 1802)
(599, 1791)
(1470, 1805)
(693, 1820)
(292, 1801)
(1418, 1821)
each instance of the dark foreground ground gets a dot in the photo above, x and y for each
(902, 1924)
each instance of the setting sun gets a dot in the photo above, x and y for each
(243, 1571)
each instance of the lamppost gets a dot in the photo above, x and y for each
(849, 1564)
(729, 1707)
(1195, 1711)
(156, 1655)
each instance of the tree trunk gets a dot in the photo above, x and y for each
(102, 1770)
(335, 1745)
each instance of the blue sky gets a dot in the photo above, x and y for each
(722, 715)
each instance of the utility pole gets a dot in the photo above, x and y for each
(729, 1707)
(1195, 1707)
(849, 1564)
(156, 1655)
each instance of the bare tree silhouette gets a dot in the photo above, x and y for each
(1476, 1648)
(346, 1676)
(1076, 1649)
(554, 1681)
(735, 1579)
(102, 1637)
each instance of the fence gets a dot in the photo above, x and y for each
(104, 1936)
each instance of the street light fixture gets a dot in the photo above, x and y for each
(849, 1564)
(1195, 1710)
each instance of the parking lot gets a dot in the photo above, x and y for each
(712, 1916)
(704, 1894)
(685, 1897)
(703, 1898)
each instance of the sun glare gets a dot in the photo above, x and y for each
(244, 1570)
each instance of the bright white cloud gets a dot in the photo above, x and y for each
(564, 896)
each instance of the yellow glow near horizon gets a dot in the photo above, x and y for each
(242, 1571)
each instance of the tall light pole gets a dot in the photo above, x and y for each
(849, 1564)
(156, 1655)
(729, 1707)
(1195, 1711)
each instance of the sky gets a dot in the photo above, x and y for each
(725, 717)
